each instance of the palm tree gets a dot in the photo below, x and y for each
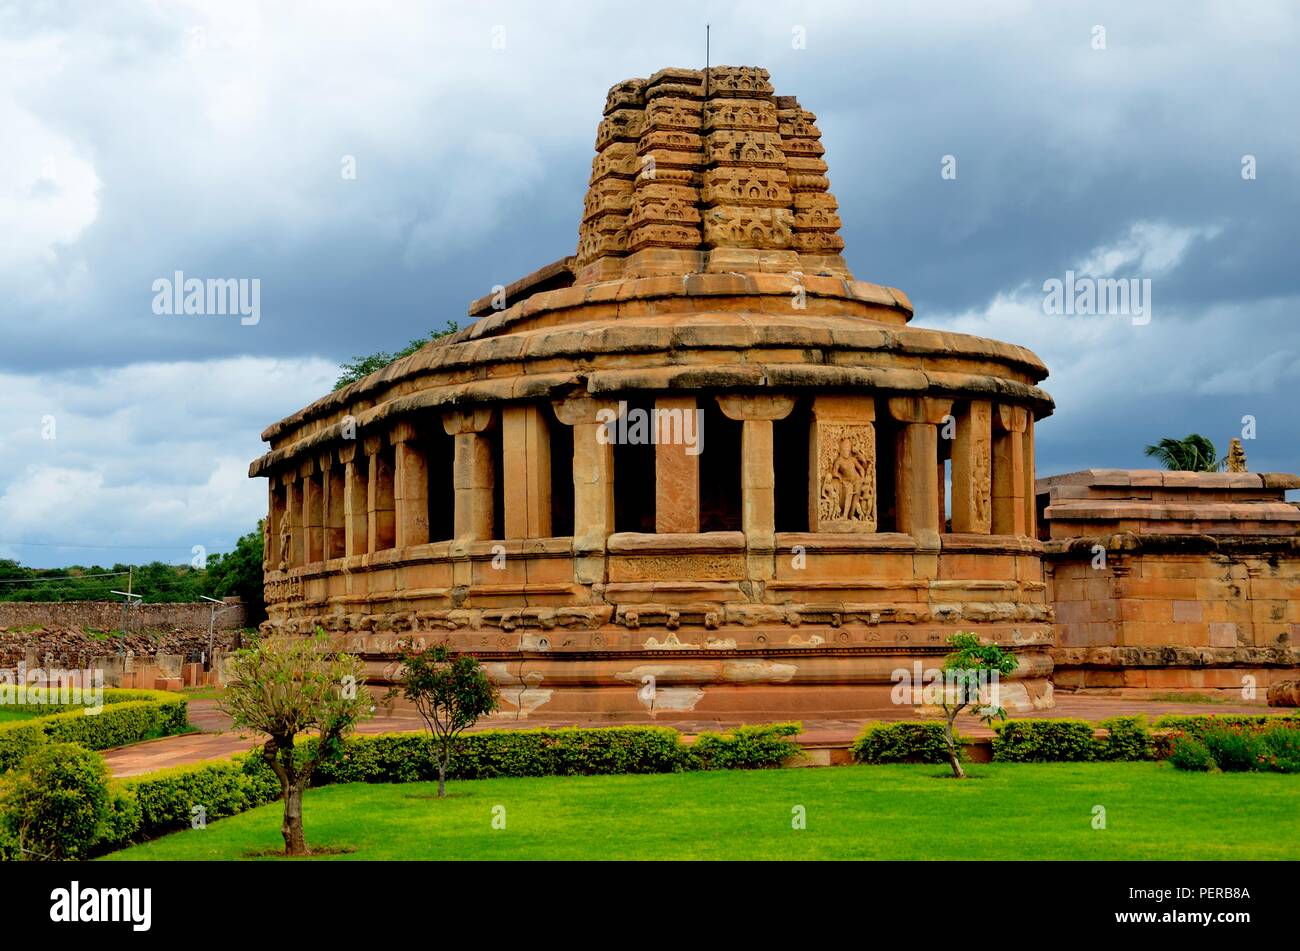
(1195, 453)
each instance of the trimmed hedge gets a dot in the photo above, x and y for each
(164, 801)
(129, 717)
(36, 696)
(747, 747)
(919, 741)
(1195, 724)
(1045, 741)
(409, 757)
(1128, 739)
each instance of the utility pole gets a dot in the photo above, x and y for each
(213, 610)
(129, 598)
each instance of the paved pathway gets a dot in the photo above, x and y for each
(217, 741)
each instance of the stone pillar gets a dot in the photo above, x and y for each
(526, 459)
(593, 483)
(293, 507)
(972, 468)
(474, 479)
(333, 484)
(940, 487)
(313, 526)
(915, 461)
(355, 491)
(677, 472)
(1009, 424)
(410, 486)
(1031, 494)
(757, 477)
(842, 464)
(268, 529)
(381, 513)
(286, 508)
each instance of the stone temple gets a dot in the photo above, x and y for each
(698, 469)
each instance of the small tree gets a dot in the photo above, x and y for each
(451, 691)
(360, 367)
(289, 685)
(964, 669)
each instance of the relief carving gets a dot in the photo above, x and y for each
(981, 469)
(846, 474)
(286, 539)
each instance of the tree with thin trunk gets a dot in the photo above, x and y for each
(290, 685)
(1194, 453)
(971, 672)
(451, 691)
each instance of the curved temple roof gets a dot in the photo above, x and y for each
(707, 212)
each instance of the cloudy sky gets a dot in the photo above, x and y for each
(144, 138)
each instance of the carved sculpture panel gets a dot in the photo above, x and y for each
(846, 477)
(730, 226)
(981, 471)
(740, 114)
(675, 114)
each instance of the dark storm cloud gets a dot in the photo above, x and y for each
(208, 138)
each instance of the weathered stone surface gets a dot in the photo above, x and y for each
(707, 276)
(1284, 694)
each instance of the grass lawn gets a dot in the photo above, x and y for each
(9, 716)
(1006, 811)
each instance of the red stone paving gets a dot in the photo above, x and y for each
(216, 741)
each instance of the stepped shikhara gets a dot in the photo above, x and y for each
(707, 171)
(694, 470)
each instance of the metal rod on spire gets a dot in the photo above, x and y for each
(706, 61)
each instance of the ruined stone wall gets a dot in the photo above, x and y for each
(1169, 621)
(1172, 580)
(107, 615)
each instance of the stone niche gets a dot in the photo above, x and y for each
(694, 470)
(1165, 581)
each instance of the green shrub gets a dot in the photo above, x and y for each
(123, 819)
(118, 724)
(1246, 745)
(1235, 748)
(1128, 739)
(1045, 741)
(747, 747)
(18, 740)
(35, 697)
(1279, 749)
(386, 758)
(591, 752)
(1189, 753)
(1196, 724)
(166, 799)
(9, 851)
(919, 741)
(131, 716)
(58, 804)
(409, 757)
